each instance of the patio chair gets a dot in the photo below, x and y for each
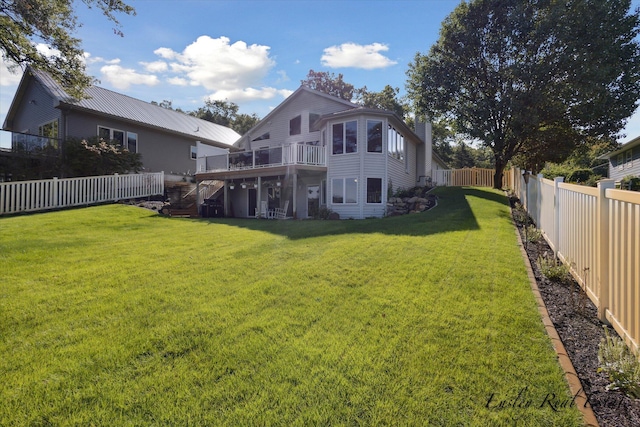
(281, 213)
(263, 212)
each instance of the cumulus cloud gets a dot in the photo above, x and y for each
(249, 94)
(90, 59)
(218, 64)
(155, 67)
(357, 56)
(9, 78)
(121, 78)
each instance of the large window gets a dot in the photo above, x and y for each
(395, 144)
(194, 152)
(132, 142)
(109, 134)
(344, 190)
(50, 130)
(374, 190)
(295, 125)
(345, 137)
(374, 136)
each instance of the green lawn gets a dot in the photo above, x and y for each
(113, 315)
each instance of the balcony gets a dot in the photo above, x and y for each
(263, 158)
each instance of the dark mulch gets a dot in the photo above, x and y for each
(576, 320)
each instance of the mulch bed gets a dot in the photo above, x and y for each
(576, 320)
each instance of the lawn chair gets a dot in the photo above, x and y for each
(281, 213)
(263, 212)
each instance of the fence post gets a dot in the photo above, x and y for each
(602, 243)
(556, 214)
(55, 192)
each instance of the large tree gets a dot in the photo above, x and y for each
(532, 77)
(25, 24)
(386, 99)
(328, 83)
(225, 113)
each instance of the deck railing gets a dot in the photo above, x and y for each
(40, 195)
(295, 154)
(596, 232)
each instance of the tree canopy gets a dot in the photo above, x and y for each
(26, 23)
(328, 83)
(225, 113)
(533, 77)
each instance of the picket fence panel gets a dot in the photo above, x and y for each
(55, 193)
(596, 232)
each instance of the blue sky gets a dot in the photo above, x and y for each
(254, 53)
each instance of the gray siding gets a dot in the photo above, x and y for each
(618, 170)
(159, 151)
(278, 125)
(36, 110)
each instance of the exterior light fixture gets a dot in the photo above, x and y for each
(232, 186)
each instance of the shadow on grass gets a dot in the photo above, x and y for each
(453, 213)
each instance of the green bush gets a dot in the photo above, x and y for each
(580, 176)
(630, 182)
(622, 366)
(553, 269)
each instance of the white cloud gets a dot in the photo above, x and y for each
(357, 56)
(9, 78)
(47, 51)
(249, 94)
(155, 67)
(218, 65)
(121, 78)
(99, 60)
(178, 81)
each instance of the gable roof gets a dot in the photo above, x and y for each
(633, 143)
(297, 93)
(107, 103)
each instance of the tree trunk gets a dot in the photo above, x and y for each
(497, 176)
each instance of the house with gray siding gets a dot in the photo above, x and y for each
(625, 161)
(42, 113)
(318, 151)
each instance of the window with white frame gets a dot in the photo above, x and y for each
(109, 134)
(295, 126)
(374, 190)
(344, 190)
(194, 152)
(620, 161)
(629, 160)
(132, 142)
(345, 137)
(374, 136)
(395, 144)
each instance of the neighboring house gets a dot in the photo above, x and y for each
(43, 114)
(624, 161)
(315, 150)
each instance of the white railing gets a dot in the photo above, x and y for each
(596, 232)
(295, 154)
(33, 196)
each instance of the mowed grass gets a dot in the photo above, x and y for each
(113, 315)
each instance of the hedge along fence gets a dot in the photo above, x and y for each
(596, 232)
(40, 195)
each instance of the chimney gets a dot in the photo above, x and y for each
(425, 151)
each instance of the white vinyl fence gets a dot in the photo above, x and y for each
(595, 231)
(33, 196)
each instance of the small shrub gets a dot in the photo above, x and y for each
(553, 269)
(630, 182)
(580, 176)
(620, 364)
(322, 213)
(532, 234)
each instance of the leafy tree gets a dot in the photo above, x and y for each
(215, 111)
(95, 156)
(167, 104)
(243, 122)
(386, 99)
(329, 83)
(532, 78)
(24, 23)
(225, 113)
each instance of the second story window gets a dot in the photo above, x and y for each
(345, 137)
(295, 125)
